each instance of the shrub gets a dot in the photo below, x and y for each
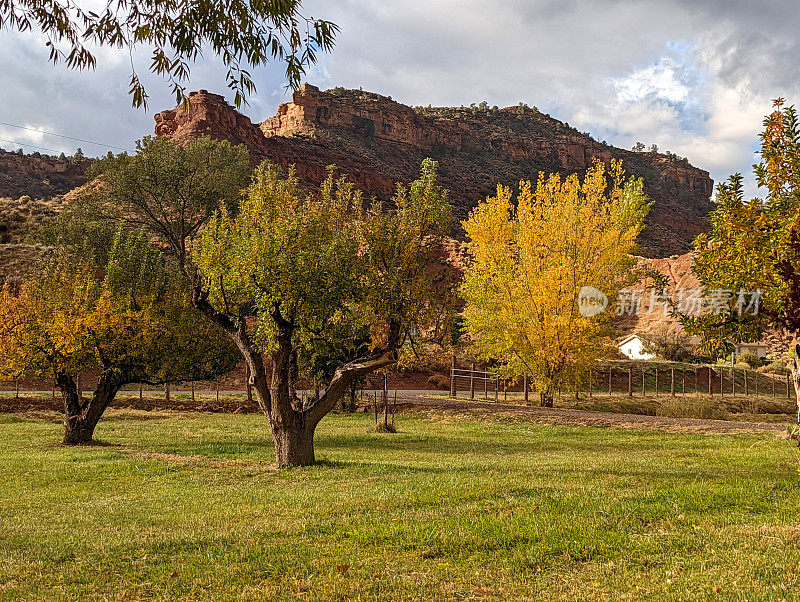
(750, 359)
(438, 381)
(776, 366)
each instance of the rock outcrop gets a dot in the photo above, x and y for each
(377, 142)
(39, 176)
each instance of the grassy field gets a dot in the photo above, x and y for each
(187, 506)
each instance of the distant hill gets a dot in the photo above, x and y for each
(39, 176)
(378, 142)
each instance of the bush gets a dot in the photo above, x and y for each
(668, 344)
(774, 367)
(438, 381)
(750, 359)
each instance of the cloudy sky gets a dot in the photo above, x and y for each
(693, 76)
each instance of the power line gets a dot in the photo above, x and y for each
(24, 127)
(49, 150)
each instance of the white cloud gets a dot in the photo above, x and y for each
(692, 76)
(662, 80)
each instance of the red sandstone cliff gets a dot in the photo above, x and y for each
(39, 176)
(378, 142)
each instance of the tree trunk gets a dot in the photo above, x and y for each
(294, 443)
(545, 399)
(292, 424)
(796, 382)
(80, 420)
(348, 402)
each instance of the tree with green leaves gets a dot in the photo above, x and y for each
(129, 318)
(291, 275)
(749, 262)
(244, 34)
(170, 190)
(309, 268)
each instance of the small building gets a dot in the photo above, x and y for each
(633, 346)
(758, 349)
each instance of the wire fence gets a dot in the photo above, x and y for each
(634, 381)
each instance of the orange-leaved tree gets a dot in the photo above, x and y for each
(129, 320)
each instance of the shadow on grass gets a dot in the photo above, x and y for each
(94, 443)
(126, 417)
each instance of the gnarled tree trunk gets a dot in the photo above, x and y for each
(294, 442)
(292, 424)
(796, 381)
(81, 418)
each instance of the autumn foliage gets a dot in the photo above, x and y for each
(129, 319)
(532, 254)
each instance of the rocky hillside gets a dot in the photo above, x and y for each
(378, 142)
(39, 176)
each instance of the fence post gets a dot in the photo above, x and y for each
(192, 384)
(505, 389)
(630, 382)
(472, 382)
(485, 385)
(733, 382)
(643, 377)
(525, 388)
(497, 388)
(655, 370)
(453, 376)
(710, 391)
(672, 381)
(385, 403)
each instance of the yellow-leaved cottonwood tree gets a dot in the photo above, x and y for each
(530, 261)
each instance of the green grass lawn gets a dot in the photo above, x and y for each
(187, 506)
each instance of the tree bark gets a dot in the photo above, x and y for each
(80, 419)
(294, 442)
(292, 424)
(796, 382)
